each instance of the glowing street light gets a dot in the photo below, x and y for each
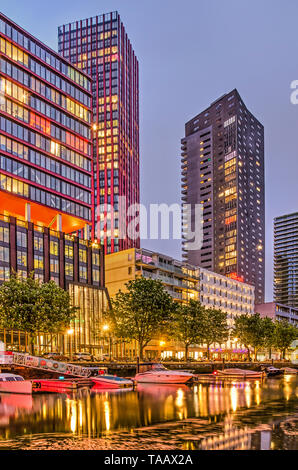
(70, 333)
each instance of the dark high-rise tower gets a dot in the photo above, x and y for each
(223, 169)
(100, 47)
(286, 259)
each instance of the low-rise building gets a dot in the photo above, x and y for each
(183, 282)
(278, 311)
(75, 265)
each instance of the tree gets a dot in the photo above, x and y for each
(186, 324)
(285, 333)
(268, 331)
(141, 312)
(248, 329)
(28, 305)
(214, 327)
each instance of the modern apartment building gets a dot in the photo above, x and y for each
(223, 171)
(76, 265)
(46, 176)
(277, 311)
(227, 294)
(100, 47)
(45, 135)
(182, 281)
(286, 259)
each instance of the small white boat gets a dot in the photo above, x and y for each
(160, 375)
(239, 373)
(105, 380)
(290, 371)
(11, 383)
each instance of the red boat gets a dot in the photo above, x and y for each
(11, 383)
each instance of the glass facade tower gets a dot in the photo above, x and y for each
(45, 133)
(100, 47)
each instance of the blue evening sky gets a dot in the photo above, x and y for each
(190, 53)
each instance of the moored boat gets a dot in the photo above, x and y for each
(273, 371)
(11, 383)
(290, 371)
(239, 373)
(157, 373)
(111, 381)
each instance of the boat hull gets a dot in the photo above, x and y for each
(23, 387)
(163, 378)
(111, 382)
(239, 374)
(290, 371)
(275, 373)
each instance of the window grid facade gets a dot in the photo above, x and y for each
(286, 260)
(45, 128)
(100, 47)
(223, 170)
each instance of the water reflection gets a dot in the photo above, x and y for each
(101, 412)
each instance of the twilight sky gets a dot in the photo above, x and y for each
(190, 53)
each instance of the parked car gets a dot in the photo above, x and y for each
(56, 356)
(84, 357)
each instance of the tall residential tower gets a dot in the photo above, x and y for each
(223, 170)
(286, 259)
(45, 137)
(100, 47)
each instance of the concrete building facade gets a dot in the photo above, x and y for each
(222, 166)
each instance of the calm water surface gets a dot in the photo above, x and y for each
(235, 415)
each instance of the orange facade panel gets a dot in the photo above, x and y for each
(40, 214)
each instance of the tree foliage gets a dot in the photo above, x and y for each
(28, 305)
(268, 332)
(249, 330)
(257, 332)
(186, 324)
(214, 328)
(141, 312)
(285, 333)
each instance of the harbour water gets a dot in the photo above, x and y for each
(222, 415)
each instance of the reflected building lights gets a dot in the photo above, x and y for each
(107, 412)
(234, 398)
(248, 394)
(95, 414)
(73, 417)
(180, 398)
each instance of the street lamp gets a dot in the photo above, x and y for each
(106, 328)
(70, 333)
(161, 345)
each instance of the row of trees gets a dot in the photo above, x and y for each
(263, 333)
(28, 305)
(146, 311)
(142, 313)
